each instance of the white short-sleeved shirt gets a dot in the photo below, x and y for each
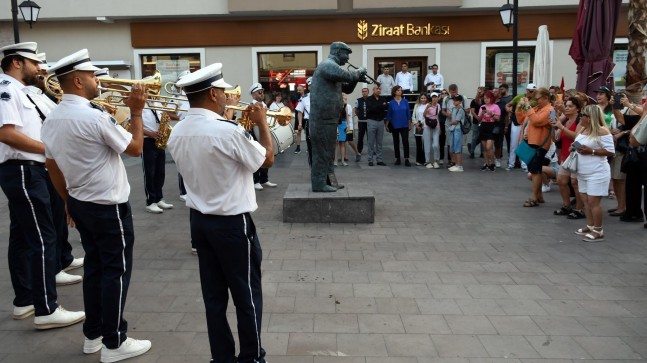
(304, 106)
(85, 143)
(216, 159)
(16, 109)
(41, 100)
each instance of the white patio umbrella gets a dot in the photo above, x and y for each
(543, 59)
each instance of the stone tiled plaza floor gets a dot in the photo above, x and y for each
(454, 269)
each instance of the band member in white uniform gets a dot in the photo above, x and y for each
(261, 176)
(82, 146)
(217, 157)
(24, 180)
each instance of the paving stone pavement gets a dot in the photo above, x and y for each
(453, 270)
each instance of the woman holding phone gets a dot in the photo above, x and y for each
(594, 145)
(488, 116)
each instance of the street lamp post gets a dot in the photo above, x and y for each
(29, 11)
(510, 16)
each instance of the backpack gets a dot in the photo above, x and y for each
(466, 126)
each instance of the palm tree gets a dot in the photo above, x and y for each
(636, 75)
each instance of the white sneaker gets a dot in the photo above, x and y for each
(76, 263)
(456, 169)
(545, 188)
(436, 166)
(429, 166)
(344, 163)
(153, 208)
(269, 184)
(183, 197)
(194, 251)
(497, 163)
(21, 312)
(162, 204)
(524, 169)
(509, 168)
(63, 278)
(258, 186)
(92, 345)
(334, 163)
(128, 349)
(58, 319)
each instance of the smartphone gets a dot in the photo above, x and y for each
(553, 116)
(483, 108)
(616, 101)
(576, 145)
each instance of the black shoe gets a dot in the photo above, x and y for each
(484, 167)
(631, 219)
(471, 155)
(381, 163)
(612, 210)
(406, 162)
(576, 214)
(617, 214)
(481, 156)
(397, 162)
(645, 225)
(563, 211)
(297, 150)
(492, 167)
(370, 163)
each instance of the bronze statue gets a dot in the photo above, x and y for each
(328, 82)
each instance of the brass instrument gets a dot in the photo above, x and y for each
(365, 77)
(52, 87)
(281, 117)
(116, 92)
(233, 93)
(165, 129)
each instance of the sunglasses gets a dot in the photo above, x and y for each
(586, 114)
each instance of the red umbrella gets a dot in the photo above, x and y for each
(592, 45)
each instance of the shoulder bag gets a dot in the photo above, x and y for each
(524, 151)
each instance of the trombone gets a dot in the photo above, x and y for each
(115, 92)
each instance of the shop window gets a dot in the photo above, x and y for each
(498, 66)
(284, 71)
(169, 65)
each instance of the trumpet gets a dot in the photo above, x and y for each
(282, 117)
(365, 77)
(113, 92)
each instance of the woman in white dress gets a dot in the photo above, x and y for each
(594, 145)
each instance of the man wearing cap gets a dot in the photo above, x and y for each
(23, 178)
(82, 146)
(221, 196)
(64, 259)
(328, 82)
(515, 127)
(261, 176)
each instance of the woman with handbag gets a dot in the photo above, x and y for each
(431, 132)
(488, 116)
(593, 145)
(418, 117)
(537, 133)
(566, 128)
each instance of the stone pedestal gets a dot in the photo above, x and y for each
(353, 204)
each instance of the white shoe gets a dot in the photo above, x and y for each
(545, 188)
(162, 204)
(183, 197)
(76, 263)
(63, 278)
(21, 312)
(334, 163)
(456, 169)
(194, 251)
(524, 169)
(58, 319)
(258, 186)
(92, 345)
(153, 208)
(269, 184)
(497, 163)
(436, 166)
(128, 349)
(429, 166)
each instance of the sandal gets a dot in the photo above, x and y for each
(612, 194)
(563, 211)
(596, 235)
(531, 203)
(576, 214)
(583, 231)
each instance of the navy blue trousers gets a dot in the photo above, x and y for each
(32, 237)
(230, 255)
(154, 165)
(63, 248)
(107, 236)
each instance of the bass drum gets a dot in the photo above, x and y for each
(282, 137)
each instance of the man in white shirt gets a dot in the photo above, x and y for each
(434, 80)
(24, 180)
(404, 79)
(303, 118)
(82, 146)
(221, 196)
(386, 81)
